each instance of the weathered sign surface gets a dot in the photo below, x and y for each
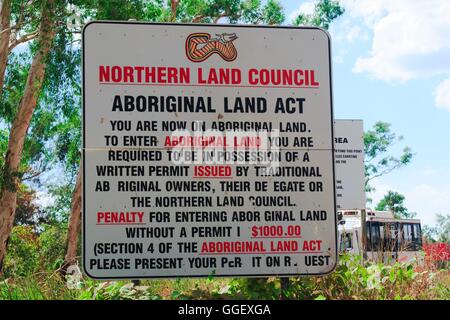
(349, 159)
(207, 150)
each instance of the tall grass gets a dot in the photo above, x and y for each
(353, 279)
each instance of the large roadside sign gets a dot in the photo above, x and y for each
(349, 159)
(207, 150)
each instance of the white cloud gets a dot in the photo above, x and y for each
(338, 57)
(353, 33)
(428, 200)
(442, 94)
(430, 172)
(369, 10)
(411, 40)
(44, 199)
(424, 199)
(305, 8)
(380, 190)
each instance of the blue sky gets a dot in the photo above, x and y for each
(391, 62)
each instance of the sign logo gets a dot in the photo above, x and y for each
(200, 46)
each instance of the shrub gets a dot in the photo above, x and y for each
(352, 279)
(22, 257)
(52, 246)
(30, 252)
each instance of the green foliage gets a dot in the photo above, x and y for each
(52, 246)
(429, 233)
(46, 287)
(22, 258)
(325, 11)
(352, 279)
(255, 288)
(58, 211)
(61, 98)
(355, 280)
(441, 232)
(36, 155)
(231, 11)
(273, 13)
(30, 252)
(197, 11)
(394, 202)
(27, 212)
(118, 9)
(15, 79)
(443, 227)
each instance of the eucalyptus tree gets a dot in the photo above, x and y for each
(18, 24)
(379, 160)
(20, 124)
(27, 113)
(395, 203)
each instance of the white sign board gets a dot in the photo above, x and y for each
(207, 151)
(349, 159)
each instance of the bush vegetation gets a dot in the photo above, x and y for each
(34, 256)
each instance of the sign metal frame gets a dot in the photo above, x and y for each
(261, 27)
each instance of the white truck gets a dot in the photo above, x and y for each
(387, 238)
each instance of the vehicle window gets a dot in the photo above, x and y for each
(412, 237)
(346, 241)
(390, 240)
(417, 237)
(373, 236)
(407, 234)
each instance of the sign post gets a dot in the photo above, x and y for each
(207, 150)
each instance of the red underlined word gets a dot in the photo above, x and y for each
(197, 177)
(185, 76)
(277, 237)
(212, 171)
(241, 247)
(206, 85)
(112, 217)
(262, 252)
(212, 141)
(119, 224)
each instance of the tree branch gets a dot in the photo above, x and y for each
(21, 19)
(198, 18)
(24, 38)
(36, 174)
(386, 171)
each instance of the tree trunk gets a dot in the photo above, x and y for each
(36, 74)
(74, 225)
(5, 33)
